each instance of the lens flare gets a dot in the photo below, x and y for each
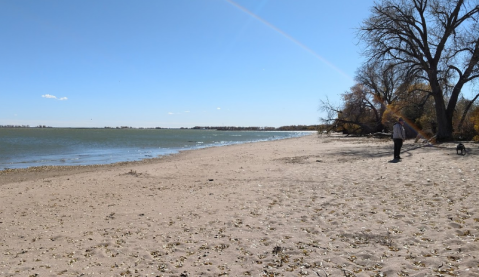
(420, 133)
(319, 57)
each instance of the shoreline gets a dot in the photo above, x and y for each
(39, 172)
(309, 206)
(122, 151)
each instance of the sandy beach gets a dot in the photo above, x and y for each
(309, 206)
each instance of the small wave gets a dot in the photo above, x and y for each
(125, 148)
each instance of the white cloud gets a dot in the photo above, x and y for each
(177, 113)
(218, 108)
(54, 97)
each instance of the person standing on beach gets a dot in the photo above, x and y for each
(399, 136)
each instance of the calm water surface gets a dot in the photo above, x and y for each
(26, 147)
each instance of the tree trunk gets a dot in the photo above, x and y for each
(443, 118)
(466, 110)
(381, 126)
(444, 122)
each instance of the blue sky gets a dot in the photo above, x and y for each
(181, 63)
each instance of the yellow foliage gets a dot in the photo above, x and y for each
(475, 121)
(390, 115)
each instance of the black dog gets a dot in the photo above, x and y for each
(460, 147)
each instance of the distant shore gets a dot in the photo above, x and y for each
(307, 206)
(219, 128)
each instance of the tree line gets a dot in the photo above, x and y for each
(254, 128)
(420, 54)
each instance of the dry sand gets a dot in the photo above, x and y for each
(310, 206)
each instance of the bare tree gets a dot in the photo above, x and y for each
(469, 104)
(359, 113)
(384, 82)
(436, 40)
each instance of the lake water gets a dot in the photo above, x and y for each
(27, 147)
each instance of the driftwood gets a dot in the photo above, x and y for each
(380, 135)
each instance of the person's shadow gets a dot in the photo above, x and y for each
(394, 161)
